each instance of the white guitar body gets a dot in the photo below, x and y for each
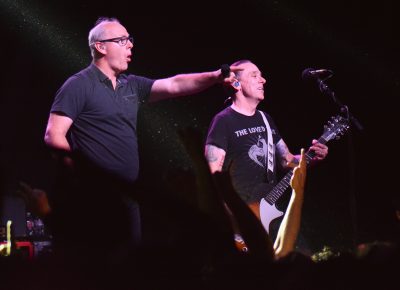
(266, 210)
(268, 213)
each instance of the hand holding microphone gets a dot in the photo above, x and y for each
(228, 73)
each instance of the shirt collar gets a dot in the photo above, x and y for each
(98, 73)
(102, 77)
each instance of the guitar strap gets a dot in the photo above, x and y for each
(271, 150)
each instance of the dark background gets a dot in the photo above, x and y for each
(349, 196)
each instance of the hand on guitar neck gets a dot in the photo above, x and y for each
(317, 152)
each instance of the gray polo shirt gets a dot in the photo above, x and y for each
(104, 119)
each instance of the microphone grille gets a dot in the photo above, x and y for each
(306, 74)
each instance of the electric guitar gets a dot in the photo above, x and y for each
(265, 210)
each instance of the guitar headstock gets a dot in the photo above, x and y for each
(335, 128)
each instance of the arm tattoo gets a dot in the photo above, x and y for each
(211, 155)
(215, 157)
(282, 152)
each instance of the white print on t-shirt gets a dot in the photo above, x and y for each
(247, 131)
(259, 150)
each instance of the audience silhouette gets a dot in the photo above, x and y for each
(187, 243)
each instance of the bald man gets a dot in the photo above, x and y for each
(92, 126)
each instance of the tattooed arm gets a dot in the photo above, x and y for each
(288, 160)
(215, 157)
(284, 157)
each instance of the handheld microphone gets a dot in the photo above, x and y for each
(225, 70)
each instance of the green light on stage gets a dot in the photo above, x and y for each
(53, 40)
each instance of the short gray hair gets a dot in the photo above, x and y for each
(97, 32)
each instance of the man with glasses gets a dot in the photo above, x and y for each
(92, 124)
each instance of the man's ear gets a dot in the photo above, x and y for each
(236, 85)
(100, 47)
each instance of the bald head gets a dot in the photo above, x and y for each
(99, 32)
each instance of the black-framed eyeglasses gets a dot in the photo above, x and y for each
(122, 41)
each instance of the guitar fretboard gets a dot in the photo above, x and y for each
(282, 185)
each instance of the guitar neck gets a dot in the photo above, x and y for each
(282, 185)
(311, 154)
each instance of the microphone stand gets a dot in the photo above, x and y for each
(352, 171)
(343, 108)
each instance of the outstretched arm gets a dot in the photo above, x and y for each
(290, 226)
(188, 84)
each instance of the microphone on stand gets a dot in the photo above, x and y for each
(320, 76)
(312, 74)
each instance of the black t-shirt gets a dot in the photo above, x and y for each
(244, 139)
(104, 119)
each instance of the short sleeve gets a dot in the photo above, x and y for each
(142, 86)
(70, 98)
(218, 133)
